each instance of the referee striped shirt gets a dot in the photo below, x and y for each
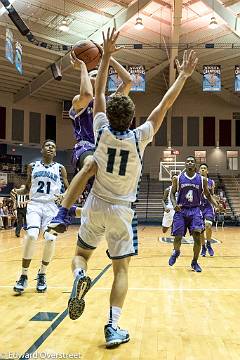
(21, 201)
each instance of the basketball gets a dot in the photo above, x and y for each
(88, 52)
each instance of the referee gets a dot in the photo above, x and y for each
(21, 206)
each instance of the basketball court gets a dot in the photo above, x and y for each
(171, 313)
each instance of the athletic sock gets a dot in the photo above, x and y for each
(42, 269)
(79, 272)
(114, 315)
(24, 271)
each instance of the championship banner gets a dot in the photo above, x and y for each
(9, 46)
(211, 78)
(237, 78)
(18, 58)
(137, 73)
(113, 79)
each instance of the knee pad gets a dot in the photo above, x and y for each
(49, 237)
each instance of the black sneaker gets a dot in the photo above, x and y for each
(21, 284)
(41, 283)
(76, 303)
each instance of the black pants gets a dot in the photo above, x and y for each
(21, 219)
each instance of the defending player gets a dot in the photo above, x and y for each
(208, 213)
(45, 180)
(190, 185)
(107, 211)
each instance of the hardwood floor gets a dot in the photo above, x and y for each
(171, 313)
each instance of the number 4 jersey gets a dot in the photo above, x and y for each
(119, 159)
(46, 181)
(190, 190)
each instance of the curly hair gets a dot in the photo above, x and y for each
(120, 111)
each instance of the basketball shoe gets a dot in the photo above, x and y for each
(195, 266)
(173, 257)
(76, 303)
(115, 337)
(21, 284)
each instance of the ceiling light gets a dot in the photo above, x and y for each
(213, 23)
(64, 26)
(139, 24)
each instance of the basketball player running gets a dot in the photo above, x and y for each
(168, 209)
(188, 215)
(207, 212)
(45, 180)
(107, 211)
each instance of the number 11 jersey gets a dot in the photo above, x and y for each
(46, 181)
(119, 159)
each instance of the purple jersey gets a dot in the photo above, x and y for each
(83, 123)
(204, 201)
(190, 190)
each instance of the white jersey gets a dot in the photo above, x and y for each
(46, 181)
(119, 159)
(169, 204)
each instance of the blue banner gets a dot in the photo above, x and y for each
(9, 46)
(237, 78)
(18, 58)
(137, 73)
(211, 78)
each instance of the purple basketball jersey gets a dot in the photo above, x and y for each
(83, 123)
(190, 190)
(204, 200)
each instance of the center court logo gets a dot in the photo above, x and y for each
(187, 241)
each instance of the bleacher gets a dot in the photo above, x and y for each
(232, 190)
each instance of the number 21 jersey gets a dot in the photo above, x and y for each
(190, 190)
(46, 181)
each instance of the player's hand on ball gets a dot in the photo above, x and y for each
(188, 64)
(76, 63)
(109, 42)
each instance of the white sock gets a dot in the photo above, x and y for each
(114, 315)
(42, 269)
(24, 271)
(79, 271)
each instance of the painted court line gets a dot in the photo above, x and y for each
(56, 323)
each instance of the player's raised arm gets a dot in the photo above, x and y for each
(125, 87)
(185, 70)
(109, 47)
(85, 95)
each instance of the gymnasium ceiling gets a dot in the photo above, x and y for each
(164, 22)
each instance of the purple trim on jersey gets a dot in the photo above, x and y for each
(189, 190)
(208, 213)
(83, 123)
(187, 219)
